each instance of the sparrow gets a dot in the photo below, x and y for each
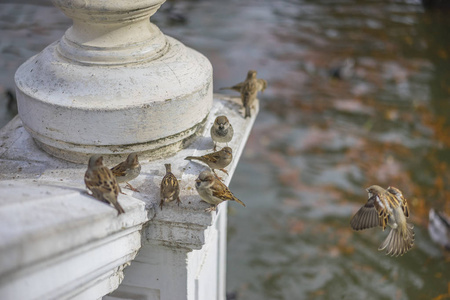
(261, 83)
(216, 160)
(386, 207)
(249, 90)
(213, 191)
(439, 228)
(102, 183)
(127, 170)
(170, 189)
(221, 131)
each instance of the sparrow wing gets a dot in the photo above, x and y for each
(221, 191)
(104, 184)
(405, 207)
(400, 200)
(236, 87)
(120, 169)
(169, 186)
(382, 203)
(261, 84)
(366, 216)
(212, 157)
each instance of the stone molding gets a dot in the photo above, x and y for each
(63, 244)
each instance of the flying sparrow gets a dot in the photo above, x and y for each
(221, 131)
(213, 191)
(387, 207)
(170, 189)
(216, 160)
(102, 183)
(127, 170)
(249, 90)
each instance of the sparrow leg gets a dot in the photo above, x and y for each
(120, 191)
(223, 170)
(215, 146)
(178, 201)
(211, 208)
(161, 203)
(129, 186)
(220, 178)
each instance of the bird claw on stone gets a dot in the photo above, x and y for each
(130, 187)
(210, 209)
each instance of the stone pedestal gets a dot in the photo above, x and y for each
(56, 242)
(113, 84)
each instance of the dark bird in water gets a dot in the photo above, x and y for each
(439, 228)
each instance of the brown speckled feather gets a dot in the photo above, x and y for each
(366, 217)
(120, 169)
(102, 183)
(399, 196)
(221, 191)
(170, 188)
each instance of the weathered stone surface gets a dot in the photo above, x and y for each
(61, 243)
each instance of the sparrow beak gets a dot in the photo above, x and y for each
(220, 126)
(197, 180)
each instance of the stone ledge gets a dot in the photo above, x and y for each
(46, 215)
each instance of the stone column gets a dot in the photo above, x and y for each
(113, 84)
(183, 256)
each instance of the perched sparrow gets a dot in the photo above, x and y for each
(262, 84)
(387, 207)
(221, 131)
(213, 191)
(249, 90)
(102, 183)
(128, 170)
(170, 189)
(439, 228)
(216, 160)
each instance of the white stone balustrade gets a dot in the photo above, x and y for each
(56, 242)
(113, 84)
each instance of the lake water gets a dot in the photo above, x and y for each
(319, 140)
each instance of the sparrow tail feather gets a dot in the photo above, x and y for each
(399, 241)
(192, 158)
(239, 201)
(119, 208)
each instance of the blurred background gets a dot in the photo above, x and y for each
(358, 95)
